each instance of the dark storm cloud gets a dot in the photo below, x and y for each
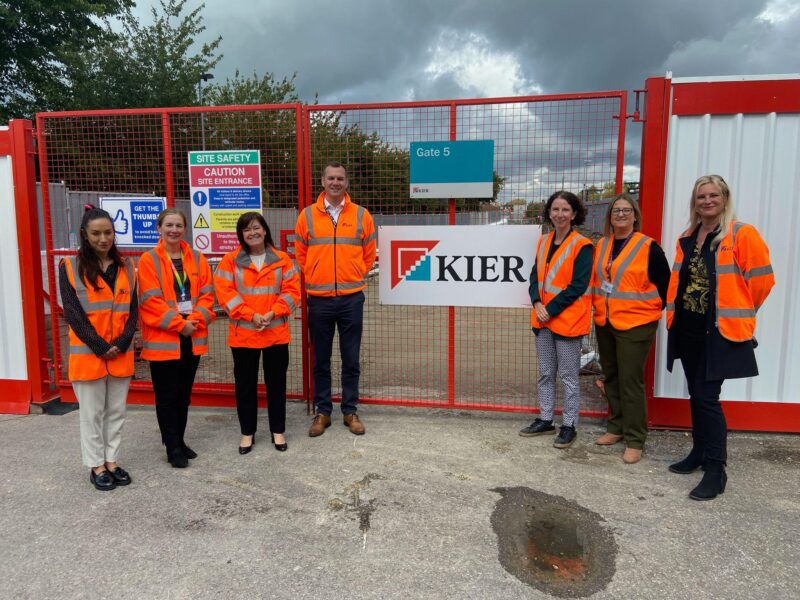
(378, 50)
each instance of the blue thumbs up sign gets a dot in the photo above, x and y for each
(120, 223)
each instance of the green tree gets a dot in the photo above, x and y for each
(36, 37)
(143, 66)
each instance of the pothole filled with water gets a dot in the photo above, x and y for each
(553, 544)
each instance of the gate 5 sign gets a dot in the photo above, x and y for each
(462, 265)
(134, 219)
(452, 169)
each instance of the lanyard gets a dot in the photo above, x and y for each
(611, 254)
(181, 284)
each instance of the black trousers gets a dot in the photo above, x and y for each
(245, 375)
(172, 384)
(709, 428)
(325, 314)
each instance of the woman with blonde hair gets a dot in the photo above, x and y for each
(629, 288)
(721, 277)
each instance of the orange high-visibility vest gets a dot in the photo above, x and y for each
(161, 322)
(243, 290)
(335, 260)
(744, 278)
(576, 319)
(108, 312)
(634, 299)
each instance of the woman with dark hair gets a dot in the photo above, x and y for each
(562, 313)
(721, 277)
(176, 295)
(629, 288)
(259, 287)
(98, 293)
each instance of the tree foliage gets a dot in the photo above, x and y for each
(142, 66)
(36, 36)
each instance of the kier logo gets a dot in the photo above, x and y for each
(411, 261)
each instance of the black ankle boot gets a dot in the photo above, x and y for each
(689, 464)
(712, 484)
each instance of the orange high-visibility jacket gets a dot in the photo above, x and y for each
(243, 290)
(744, 279)
(335, 260)
(552, 279)
(161, 322)
(108, 312)
(634, 299)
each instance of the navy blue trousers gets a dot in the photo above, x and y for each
(325, 315)
(709, 428)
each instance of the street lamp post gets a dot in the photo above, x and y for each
(203, 77)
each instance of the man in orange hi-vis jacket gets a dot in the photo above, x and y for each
(335, 246)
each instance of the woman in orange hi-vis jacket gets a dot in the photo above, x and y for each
(98, 293)
(176, 300)
(721, 277)
(259, 288)
(562, 313)
(629, 289)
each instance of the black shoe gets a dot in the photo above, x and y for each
(246, 449)
(538, 427)
(712, 484)
(566, 435)
(190, 454)
(121, 476)
(177, 458)
(689, 464)
(279, 447)
(103, 480)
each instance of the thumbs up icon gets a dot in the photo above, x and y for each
(120, 223)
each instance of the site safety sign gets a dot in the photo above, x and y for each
(135, 219)
(465, 265)
(222, 186)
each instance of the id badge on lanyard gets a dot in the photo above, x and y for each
(184, 302)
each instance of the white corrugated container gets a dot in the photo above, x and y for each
(759, 156)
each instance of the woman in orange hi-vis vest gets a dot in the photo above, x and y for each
(629, 289)
(259, 288)
(721, 277)
(176, 301)
(98, 293)
(562, 313)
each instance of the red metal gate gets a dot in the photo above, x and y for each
(416, 356)
(465, 358)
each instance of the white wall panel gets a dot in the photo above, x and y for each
(759, 156)
(12, 332)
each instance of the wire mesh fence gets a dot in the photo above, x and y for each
(411, 355)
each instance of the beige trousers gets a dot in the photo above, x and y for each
(102, 413)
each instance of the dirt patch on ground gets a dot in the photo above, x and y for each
(553, 544)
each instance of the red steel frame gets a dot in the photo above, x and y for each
(451, 402)
(665, 99)
(203, 394)
(219, 394)
(16, 395)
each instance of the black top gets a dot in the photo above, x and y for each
(724, 359)
(186, 294)
(76, 317)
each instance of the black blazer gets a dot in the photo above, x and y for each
(724, 359)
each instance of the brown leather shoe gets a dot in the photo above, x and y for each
(355, 424)
(608, 439)
(319, 425)
(632, 455)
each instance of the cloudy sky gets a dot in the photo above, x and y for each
(396, 50)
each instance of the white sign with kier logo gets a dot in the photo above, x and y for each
(459, 265)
